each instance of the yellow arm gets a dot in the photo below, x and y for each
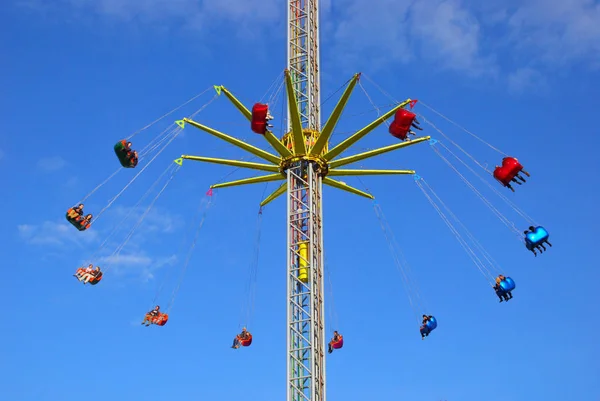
(375, 152)
(334, 118)
(299, 145)
(278, 192)
(251, 180)
(272, 139)
(234, 163)
(344, 172)
(346, 187)
(361, 133)
(238, 105)
(234, 141)
(276, 144)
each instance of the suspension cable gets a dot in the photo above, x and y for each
(476, 260)
(169, 167)
(279, 76)
(381, 89)
(492, 263)
(336, 91)
(462, 128)
(173, 128)
(408, 282)
(169, 113)
(454, 143)
(511, 226)
(204, 106)
(372, 103)
(404, 265)
(151, 146)
(99, 186)
(157, 141)
(493, 188)
(274, 98)
(179, 251)
(249, 303)
(136, 176)
(189, 255)
(403, 275)
(117, 251)
(331, 310)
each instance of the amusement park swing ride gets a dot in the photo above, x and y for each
(303, 160)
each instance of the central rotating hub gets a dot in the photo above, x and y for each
(310, 138)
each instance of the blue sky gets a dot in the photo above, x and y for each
(79, 75)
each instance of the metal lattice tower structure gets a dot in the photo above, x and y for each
(305, 314)
(304, 162)
(303, 59)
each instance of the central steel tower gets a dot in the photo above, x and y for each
(305, 327)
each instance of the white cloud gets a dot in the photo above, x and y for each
(376, 36)
(126, 260)
(239, 10)
(156, 220)
(132, 260)
(467, 33)
(451, 35)
(558, 31)
(136, 263)
(526, 79)
(51, 164)
(147, 10)
(54, 233)
(444, 33)
(404, 31)
(184, 13)
(139, 256)
(71, 182)
(515, 40)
